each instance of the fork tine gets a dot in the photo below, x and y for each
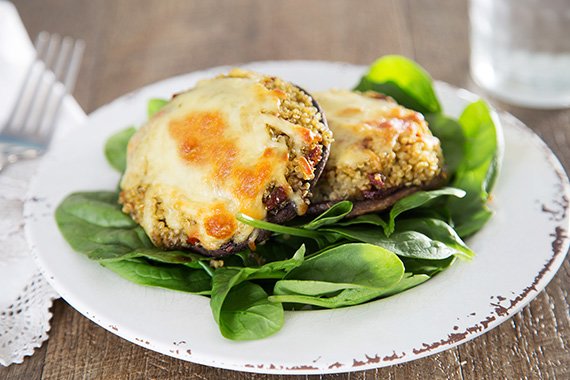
(40, 47)
(53, 46)
(72, 69)
(56, 63)
(59, 60)
(66, 45)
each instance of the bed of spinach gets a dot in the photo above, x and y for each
(326, 262)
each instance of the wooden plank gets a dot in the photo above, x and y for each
(80, 349)
(145, 43)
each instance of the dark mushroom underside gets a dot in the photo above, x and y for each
(379, 202)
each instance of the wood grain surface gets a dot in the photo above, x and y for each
(131, 43)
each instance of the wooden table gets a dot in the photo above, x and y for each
(132, 43)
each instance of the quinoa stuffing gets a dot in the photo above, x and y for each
(379, 147)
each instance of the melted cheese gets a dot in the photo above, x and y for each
(208, 155)
(357, 120)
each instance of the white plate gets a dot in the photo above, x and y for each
(518, 253)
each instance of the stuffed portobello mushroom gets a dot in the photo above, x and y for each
(238, 143)
(382, 152)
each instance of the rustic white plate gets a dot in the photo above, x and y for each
(518, 253)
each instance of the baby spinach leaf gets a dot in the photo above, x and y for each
(351, 296)
(277, 228)
(373, 219)
(474, 219)
(404, 80)
(437, 230)
(170, 277)
(188, 259)
(477, 171)
(416, 200)
(277, 269)
(347, 297)
(350, 265)
(346, 267)
(226, 278)
(116, 148)
(154, 105)
(310, 287)
(332, 215)
(279, 248)
(450, 134)
(247, 313)
(480, 134)
(427, 267)
(93, 224)
(223, 281)
(99, 208)
(407, 282)
(404, 243)
(322, 239)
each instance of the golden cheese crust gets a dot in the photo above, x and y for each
(379, 147)
(241, 142)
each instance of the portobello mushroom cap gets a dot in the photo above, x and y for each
(238, 143)
(382, 152)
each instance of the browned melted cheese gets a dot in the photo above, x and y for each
(209, 155)
(200, 138)
(220, 223)
(356, 119)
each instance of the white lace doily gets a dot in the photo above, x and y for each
(26, 296)
(24, 324)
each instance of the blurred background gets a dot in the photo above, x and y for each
(131, 43)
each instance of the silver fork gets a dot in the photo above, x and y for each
(51, 76)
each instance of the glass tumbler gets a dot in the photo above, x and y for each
(520, 50)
